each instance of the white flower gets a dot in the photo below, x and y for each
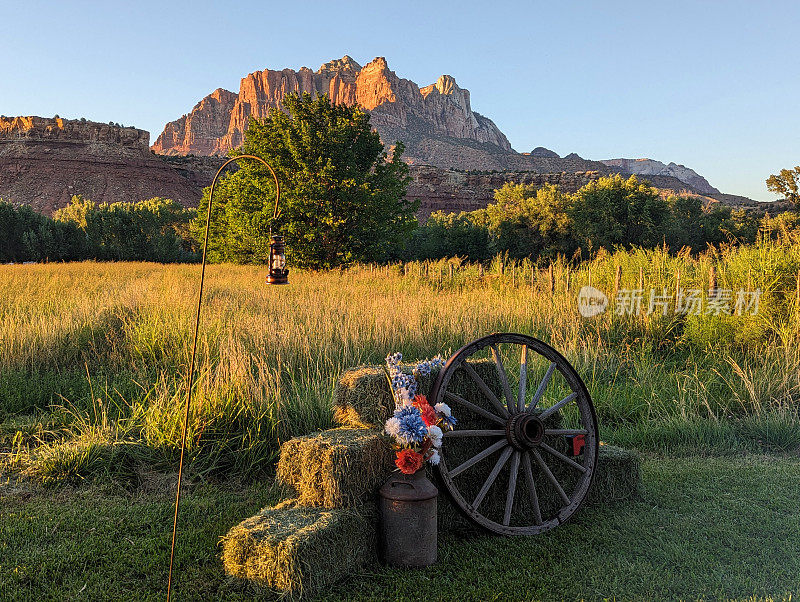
(442, 408)
(434, 459)
(435, 433)
(392, 427)
(404, 396)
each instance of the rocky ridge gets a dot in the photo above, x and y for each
(45, 161)
(651, 167)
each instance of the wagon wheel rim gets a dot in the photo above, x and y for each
(515, 426)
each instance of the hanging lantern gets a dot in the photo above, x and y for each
(277, 261)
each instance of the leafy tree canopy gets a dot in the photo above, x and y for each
(529, 221)
(151, 230)
(342, 198)
(450, 235)
(786, 184)
(612, 211)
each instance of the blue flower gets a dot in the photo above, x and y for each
(450, 421)
(412, 427)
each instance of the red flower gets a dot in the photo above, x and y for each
(408, 461)
(429, 416)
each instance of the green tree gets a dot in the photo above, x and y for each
(613, 211)
(786, 184)
(26, 235)
(342, 198)
(450, 235)
(151, 230)
(528, 221)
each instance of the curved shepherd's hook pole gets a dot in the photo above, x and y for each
(194, 345)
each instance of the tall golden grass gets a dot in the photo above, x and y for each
(99, 351)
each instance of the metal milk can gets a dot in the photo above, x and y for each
(408, 520)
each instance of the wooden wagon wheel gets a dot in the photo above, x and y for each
(522, 458)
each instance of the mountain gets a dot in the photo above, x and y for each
(44, 161)
(436, 122)
(458, 157)
(651, 167)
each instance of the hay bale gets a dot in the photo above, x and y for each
(299, 551)
(617, 476)
(363, 398)
(336, 468)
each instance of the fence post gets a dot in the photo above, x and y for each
(480, 270)
(551, 278)
(712, 281)
(450, 265)
(798, 288)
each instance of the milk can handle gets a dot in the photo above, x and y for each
(403, 483)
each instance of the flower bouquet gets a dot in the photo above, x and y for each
(416, 427)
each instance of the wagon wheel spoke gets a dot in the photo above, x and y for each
(523, 378)
(512, 488)
(526, 466)
(567, 460)
(471, 406)
(567, 432)
(542, 386)
(501, 374)
(477, 458)
(498, 466)
(558, 406)
(485, 389)
(550, 477)
(476, 433)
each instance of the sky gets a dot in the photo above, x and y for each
(711, 85)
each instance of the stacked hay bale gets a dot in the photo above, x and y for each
(328, 531)
(290, 548)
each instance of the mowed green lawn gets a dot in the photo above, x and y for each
(705, 528)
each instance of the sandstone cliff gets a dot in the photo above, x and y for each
(43, 162)
(651, 167)
(436, 122)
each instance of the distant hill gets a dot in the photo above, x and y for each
(651, 167)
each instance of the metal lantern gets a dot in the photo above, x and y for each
(277, 261)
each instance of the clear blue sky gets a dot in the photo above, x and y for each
(712, 85)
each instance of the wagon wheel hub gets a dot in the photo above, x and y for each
(524, 430)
